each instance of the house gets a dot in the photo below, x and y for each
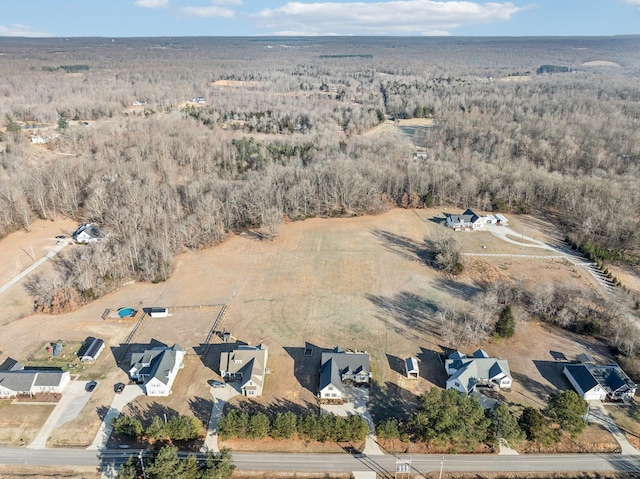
(490, 219)
(87, 233)
(90, 350)
(248, 364)
(467, 221)
(597, 382)
(465, 373)
(18, 381)
(411, 368)
(338, 367)
(156, 369)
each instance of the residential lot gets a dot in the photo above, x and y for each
(360, 283)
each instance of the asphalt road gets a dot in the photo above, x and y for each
(347, 463)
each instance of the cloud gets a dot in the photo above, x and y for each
(18, 30)
(409, 17)
(633, 2)
(152, 3)
(213, 10)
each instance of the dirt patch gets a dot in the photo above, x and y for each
(595, 439)
(398, 447)
(239, 84)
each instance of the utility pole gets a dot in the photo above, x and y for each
(441, 467)
(144, 474)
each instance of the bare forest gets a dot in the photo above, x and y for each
(169, 144)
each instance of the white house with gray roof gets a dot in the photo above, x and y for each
(338, 367)
(156, 369)
(465, 373)
(248, 364)
(597, 382)
(87, 233)
(467, 221)
(18, 381)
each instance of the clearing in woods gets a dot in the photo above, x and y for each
(360, 283)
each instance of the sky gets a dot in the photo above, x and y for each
(155, 18)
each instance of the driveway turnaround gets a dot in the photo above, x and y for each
(356, 403)
(220, 398)
(130, 392)
(71, 403)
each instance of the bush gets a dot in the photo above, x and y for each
(388, 429)
(127, 426)
(537, 428)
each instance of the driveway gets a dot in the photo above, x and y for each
(356, 403)
(21, 275)
(220, 398)
(598, 413)
(73, 399)
(130, 392)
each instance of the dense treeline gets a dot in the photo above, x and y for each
(326, 427)
(279, 136)
(165, 463)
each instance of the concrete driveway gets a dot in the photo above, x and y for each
(598, 413)
(356, 403)
(130, 392)
(220, 398)
(73, 399)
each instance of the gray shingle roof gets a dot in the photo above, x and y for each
(18, 381)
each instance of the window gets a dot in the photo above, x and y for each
(330, 388)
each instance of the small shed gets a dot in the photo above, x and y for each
(411, 368)
(502, 220)
(585, 358)
(158, 312)
(90, 350)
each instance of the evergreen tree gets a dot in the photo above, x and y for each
(506, 424)
(506, 325)
(258, 426)
(568, 410)
(537, 427)
(284, 425)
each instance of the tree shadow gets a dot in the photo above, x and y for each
(414, 312)
(146, 413)
(456, 288)
(432, 367)
(391, 401)
(552, 371)
(407, 248)
(537, 391)
(201, 408)
(306, 364)
(102, 411)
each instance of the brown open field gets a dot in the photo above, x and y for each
(20, 423)
(359, 283)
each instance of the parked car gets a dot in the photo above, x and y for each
(61, 237)
(91, 385)
(218, 384)
(118, 388)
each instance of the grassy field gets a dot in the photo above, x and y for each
(360, 283)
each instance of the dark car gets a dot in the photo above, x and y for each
(60, 237)
(118, 388)
(91, 385)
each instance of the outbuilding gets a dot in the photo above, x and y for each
(158, 312)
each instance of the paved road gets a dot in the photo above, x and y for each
(47, 257)
(348, 463)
